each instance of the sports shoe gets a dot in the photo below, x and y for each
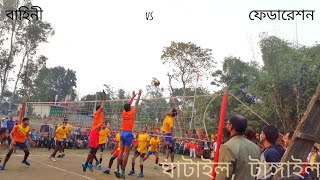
(99, 167)
(164, 162)
(26, 163)
(171, 167)
(53, 159)
(63, 155)
(2, 168)
(155, 166)
(60, 156)
(107, 171)
(131, 172)
(123, 175)
(97, 164)
(90, 167)
(84, 167)
(141, 175)
(117, 173)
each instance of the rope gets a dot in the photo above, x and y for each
(204, 123)
(249, 108)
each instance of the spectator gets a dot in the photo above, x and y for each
(237, 151)
(77, 133)
(206, 150)
(287, 139)
(213, 137)
(3, 135)
(313, 158)
(51, 136)
(35, 136)
(213, 148)
(271, 152)
(10, 125)
(4, 123)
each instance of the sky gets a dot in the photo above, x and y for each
(111, 42)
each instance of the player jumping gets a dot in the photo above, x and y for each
(128, 116)
(153, 149)
(94, 134)
(167, 128)
(19, 134)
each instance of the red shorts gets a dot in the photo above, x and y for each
(94, 138)
(116, 153)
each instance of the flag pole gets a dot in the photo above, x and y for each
(220, 131)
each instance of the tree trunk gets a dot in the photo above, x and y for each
(10, 56)
(18, 77)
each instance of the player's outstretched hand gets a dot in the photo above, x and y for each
(104, 95)
(133, 93)
(140, 91)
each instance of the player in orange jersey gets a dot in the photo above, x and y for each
(19, 134)
(94, 134)
(126, 137)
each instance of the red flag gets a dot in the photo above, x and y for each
(22, 111)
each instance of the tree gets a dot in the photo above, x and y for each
(185, 62)
(55, 81)
(23, 38)
(33, 34)
(8, 32)
(29, 74)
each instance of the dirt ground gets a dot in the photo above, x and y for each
(69, 168)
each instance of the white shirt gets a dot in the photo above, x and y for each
(4, 123)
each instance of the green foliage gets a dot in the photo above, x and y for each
(280, 90)
(54, 81)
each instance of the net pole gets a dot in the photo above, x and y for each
(220, 131)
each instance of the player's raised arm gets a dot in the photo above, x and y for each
(139, 95)
(103, 98)
(132, 98)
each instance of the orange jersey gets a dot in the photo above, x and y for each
(98, 119)
(20, 133)
(128, 119)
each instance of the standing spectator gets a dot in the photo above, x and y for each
(271, 152)
(4, 123)
(237, 151)
(206, 150)
(52, 131)
(10, 125)
(213, 148)
(287, 139)
(192, 148)
(213, 137)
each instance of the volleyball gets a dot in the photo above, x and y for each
(155, 82)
